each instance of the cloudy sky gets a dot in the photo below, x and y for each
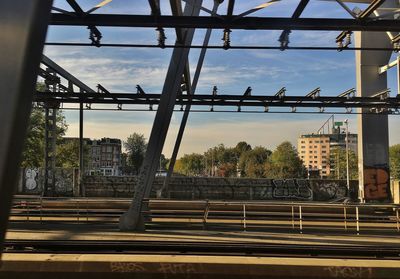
(232, 71)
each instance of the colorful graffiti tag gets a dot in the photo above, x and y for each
(376, 184)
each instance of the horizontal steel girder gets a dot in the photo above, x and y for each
(221, 100)
(260, 23)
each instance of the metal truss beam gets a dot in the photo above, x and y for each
(23, 26)
(223, 22)
(133, 219)
(223, 100)
(65, 74)
(83, 88)
(185, 115)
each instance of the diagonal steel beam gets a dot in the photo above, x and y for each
(133, 219)
(284, 37)
(65, 74)
(187, 108)
(23, 26)
(95, 34)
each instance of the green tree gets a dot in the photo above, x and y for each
(339, 164)
(242, 147)
(394, 157)
(67, 153)
(191, 164)
(284, 163)
(33, 153)
(252, 162)
(135, 146)
(164, 162)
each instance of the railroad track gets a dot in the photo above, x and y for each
(196, 248)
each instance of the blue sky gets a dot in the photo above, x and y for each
(266, 71)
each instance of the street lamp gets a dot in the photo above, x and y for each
(347, 154)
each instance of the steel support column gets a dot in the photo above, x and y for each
(373, 131)
(132, 219)
(23, 26)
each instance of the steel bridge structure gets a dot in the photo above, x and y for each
(24, 24)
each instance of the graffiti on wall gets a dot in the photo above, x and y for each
(31, 176)
(376, 183)
(329, 190)
(297, 189)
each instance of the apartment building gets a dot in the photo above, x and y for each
(105, 157)
(316, 149)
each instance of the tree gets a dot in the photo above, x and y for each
(242, 147)
(136, 146)
(191, 164)
(163, 162)
(394, 158)
(33, 153)
(339, 164)
(252, 162)
(67, 153)
(221, 161)
(284, 163)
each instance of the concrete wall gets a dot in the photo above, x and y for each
(226, 188)
(31, 181)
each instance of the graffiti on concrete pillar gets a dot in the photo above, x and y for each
(31, 176)
(292, 189)
(376, 183)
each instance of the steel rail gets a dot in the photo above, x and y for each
(201, 248)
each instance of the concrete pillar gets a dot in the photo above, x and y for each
(373, 132)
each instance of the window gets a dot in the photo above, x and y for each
(315, 157)
(310, 141)
(310, 146)
(303, 151)
(303, 141)
(323, 146)
(323, 151)
(303, 146)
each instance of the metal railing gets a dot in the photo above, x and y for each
(205, 214)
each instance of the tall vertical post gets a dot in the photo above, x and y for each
(347, 156)
(373, 131)
(23, 26)
(81, 160)
(132, 219)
